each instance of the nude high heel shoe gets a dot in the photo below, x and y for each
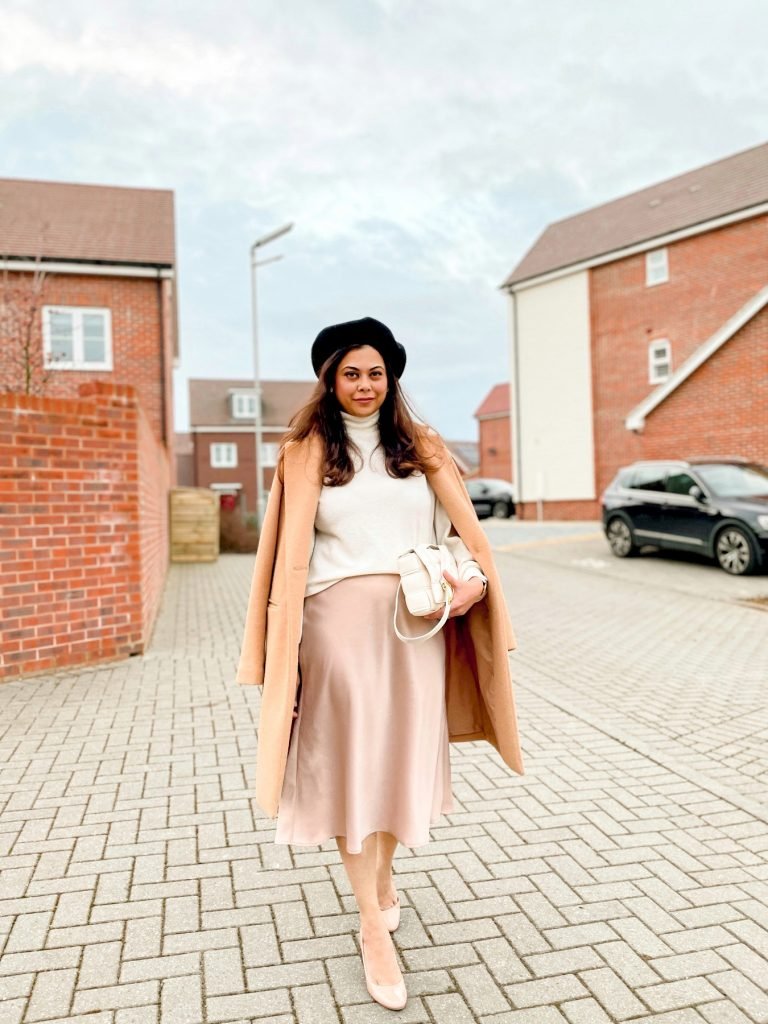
(394, 997)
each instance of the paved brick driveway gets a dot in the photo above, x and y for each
(623, 878)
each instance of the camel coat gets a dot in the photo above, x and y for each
(479, 697)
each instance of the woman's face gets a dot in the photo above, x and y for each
(360, 384)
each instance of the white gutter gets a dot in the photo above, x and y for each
(98, 269)
(636, 419)
(644, 246)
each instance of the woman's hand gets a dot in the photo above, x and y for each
(465, 594)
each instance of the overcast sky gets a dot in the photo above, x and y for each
(419, 148)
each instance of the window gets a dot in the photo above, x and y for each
(77, 338)
(679, 482)
(659, 360)
(243, 405)
(223, 455)
(656, 267)
(648, 478)
(729, 481)
(269, 452)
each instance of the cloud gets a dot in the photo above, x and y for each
(428, 141)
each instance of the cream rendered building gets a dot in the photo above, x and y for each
(553, 449)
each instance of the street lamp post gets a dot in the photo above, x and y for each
(258, 431)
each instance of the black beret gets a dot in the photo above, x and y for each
(366, 331)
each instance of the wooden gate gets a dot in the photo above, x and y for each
(194, 517)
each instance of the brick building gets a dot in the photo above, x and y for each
(88, 342)
(221, 416)
(106, 309)
(494, 431)
(640, 330)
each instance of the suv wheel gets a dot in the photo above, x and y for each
(500, 510)
(620, 538)
(734, 551)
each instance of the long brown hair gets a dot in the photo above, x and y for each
(405, 443)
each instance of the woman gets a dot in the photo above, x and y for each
(361, 751)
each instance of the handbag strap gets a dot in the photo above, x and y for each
(425, 636)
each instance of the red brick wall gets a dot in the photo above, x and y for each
(495, 448)
(142, 340)
(155, 481)
(721, 409)
(168, 328)
(710, 277)
(555, 510)
(83, 493)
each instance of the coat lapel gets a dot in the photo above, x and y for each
(301, 493)
(302, 484)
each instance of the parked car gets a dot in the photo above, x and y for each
(718, 507)
(492, 497)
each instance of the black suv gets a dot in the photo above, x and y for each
(718, 507)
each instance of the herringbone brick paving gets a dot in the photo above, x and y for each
(615, 881)
(684, 671)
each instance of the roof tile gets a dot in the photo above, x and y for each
(496, 401)
(100, 223)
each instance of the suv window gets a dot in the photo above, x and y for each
(731, 481)
(679, 482)
(648, 478)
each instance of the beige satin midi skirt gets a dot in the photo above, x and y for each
(369, 749)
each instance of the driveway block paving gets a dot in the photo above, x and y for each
(623, 878)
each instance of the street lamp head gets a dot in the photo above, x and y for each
(272, 236)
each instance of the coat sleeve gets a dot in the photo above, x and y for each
(445, 533)
(250, 669)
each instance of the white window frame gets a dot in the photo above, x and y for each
(78, 362)
(243, 405)
(656, 267)
(269, 453)
(220, 460)
(659, 353)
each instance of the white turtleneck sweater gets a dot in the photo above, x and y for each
(362, 526)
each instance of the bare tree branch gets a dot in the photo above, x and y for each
(22, 297)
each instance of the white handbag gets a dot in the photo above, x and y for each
(421, 581)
